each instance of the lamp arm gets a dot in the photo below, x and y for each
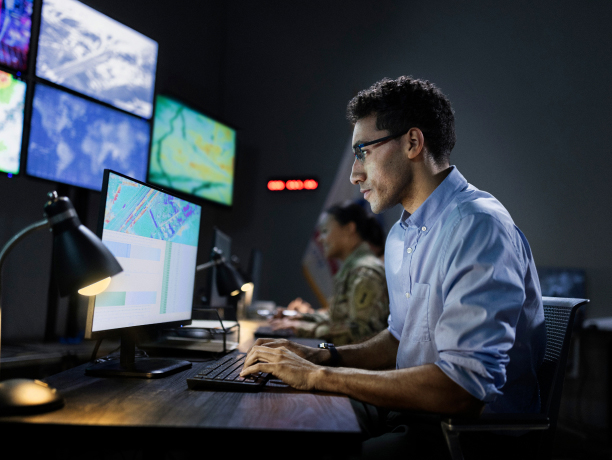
(21, 235)
(208, 265)
(11, 244)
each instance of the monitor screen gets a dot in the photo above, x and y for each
(224, 243)
(88, 52)
(154, 236)
(12, 102)
(15, 26)
(72, 140)
(192, 153)
(562, 282)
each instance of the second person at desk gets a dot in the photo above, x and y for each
(359, 307)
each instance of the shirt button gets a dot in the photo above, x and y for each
(407, 295)
(409, 250)
(424, 229)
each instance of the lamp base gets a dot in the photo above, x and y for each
(26, 396)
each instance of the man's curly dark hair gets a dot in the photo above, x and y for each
(407, 103)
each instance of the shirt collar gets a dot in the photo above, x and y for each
(429, 211)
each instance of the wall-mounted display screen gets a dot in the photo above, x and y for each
(15, 26)
(72, 140)
(192, 153)
(90, 53)
(12, 102)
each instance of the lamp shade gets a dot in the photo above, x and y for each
(79, 257)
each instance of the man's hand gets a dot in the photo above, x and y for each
(314, 355)
(284, 364)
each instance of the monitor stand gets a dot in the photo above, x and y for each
(130, 366)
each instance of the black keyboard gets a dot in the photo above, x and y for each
(224, 375)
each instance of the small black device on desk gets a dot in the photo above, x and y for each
(224, 375)
(265, 332)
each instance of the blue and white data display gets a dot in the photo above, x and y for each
(154, 236)
(15, 31)
(88, 52)
(72, 140)
(12, 102)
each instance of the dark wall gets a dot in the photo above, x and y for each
(529, 84)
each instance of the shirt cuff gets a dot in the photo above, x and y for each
(472, 375)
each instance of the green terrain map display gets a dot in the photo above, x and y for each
(192, 153)
(12, 99)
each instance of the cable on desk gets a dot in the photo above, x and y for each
(95, 350)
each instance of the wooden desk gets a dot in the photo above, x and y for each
(163, 414)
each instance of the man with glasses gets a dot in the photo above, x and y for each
(466, 326)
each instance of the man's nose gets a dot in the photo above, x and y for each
(357, 172)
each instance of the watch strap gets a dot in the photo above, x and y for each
(335, 356)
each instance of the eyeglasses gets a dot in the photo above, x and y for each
(360, 153)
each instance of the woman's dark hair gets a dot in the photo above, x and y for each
(407, 103)
(367, 226)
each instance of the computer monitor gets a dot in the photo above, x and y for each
(191, 152)
(15, 31)
(88, 52)
(562, 282)
(72, 140)
(12, 103)
(154, 236)
(224, 243)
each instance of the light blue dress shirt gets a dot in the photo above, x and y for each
(465, 295)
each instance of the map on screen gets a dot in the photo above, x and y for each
(12, 101)
(15, 27)
(191, 152)
(136, 209)
(72, 140)
(154, 236)
(88, 52)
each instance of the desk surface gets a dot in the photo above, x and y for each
(163, 413)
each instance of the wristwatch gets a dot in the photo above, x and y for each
(335, 356)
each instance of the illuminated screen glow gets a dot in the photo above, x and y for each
(191, 152)
(72, 140)
(154, 236)
(88, 52)
(12, 102)
(15, 30)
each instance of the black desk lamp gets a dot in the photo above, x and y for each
(80, 262)
(229, 280)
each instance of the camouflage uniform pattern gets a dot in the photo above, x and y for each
(359, 308)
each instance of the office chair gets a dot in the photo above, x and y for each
(559, 314)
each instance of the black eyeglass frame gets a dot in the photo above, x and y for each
(360, 154)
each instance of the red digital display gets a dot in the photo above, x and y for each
(276, 185)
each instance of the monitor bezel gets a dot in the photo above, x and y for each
(216, 119)
(134, 331)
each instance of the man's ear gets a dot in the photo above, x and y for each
(416, 143)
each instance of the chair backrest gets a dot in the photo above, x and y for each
(559, 314)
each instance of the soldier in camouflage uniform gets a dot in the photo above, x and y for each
(359, 307)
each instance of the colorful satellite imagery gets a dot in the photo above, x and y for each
(140, 210)
(192, 153)
(12, 100)
(15, 25)
(72, 140)
(90, 53)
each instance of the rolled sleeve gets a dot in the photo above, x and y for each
(483, 293)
